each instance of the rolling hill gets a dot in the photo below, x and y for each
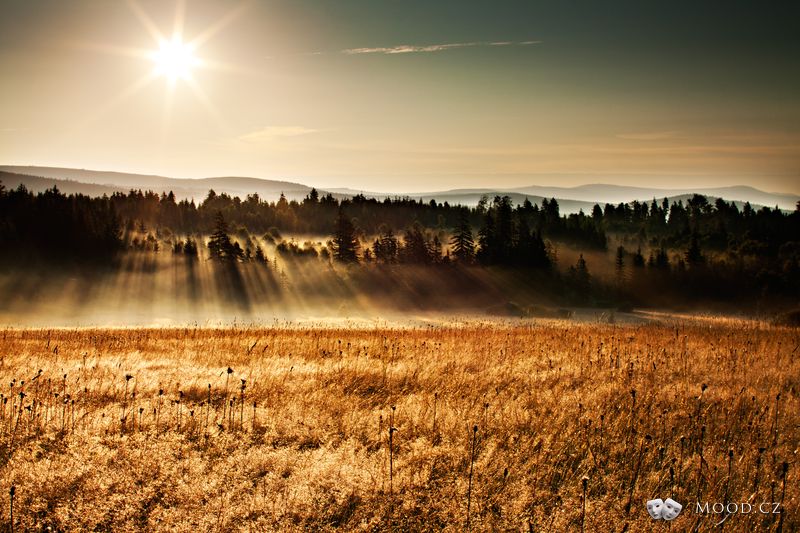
(571, 199)
(183, 188)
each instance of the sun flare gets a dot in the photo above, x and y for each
(174, 59)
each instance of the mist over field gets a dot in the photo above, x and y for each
(148, 258)
(147, 290)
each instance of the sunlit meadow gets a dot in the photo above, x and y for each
(495, 425)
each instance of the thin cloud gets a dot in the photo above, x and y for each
(417, 49)
(269, 133)
(649, 135)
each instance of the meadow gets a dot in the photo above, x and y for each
(482, 425)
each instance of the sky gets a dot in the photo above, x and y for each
(408, 96)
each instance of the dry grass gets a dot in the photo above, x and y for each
(308, 448)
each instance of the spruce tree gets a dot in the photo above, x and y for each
(581, 277)
(190, 247)
(260, 257)
(694, 256)
(219, 245)
(487, 238)
(462, 241)
(416, 248)
(619, 263)
(638, 258)
(344, 243)
(386, 247)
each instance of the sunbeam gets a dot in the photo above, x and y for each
(205, 101)
(145, 21)
(218, 26)
(116, 100)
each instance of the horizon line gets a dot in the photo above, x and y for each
(356, 190)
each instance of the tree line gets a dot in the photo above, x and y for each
(654, 244)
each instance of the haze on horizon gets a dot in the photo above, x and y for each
(407, 96)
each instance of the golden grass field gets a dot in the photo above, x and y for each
(112, 429)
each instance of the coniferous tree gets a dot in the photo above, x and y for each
(529, 250)
(436, 249)
(313, 197)
(487, 236)
(694, 256)
(236, 253)
(260, 257)
(190, 247)
(619, 263)
(638, 258)
(415, 248)
(661, 259)
(344, 243)
(505, 237)
(385, 247)
(462, 241)
(219, 245)
(580, 278)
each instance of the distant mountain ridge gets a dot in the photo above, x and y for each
(607, 193)
(620, 193)
(571, 199)
(183, 188)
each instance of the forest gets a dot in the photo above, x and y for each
(661, 253)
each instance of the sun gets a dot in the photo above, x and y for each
(174, 59)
